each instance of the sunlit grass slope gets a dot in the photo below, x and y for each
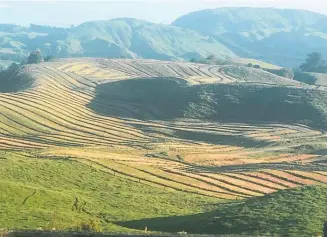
(64, 193)
(294, 212)
(154, 129)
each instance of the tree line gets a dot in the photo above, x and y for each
(34, 57)
(314, 62)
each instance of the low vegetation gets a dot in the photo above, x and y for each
(13, 79)
(68, 195)
(294, 212)
(237, 103)
(35, 57)
(97, 144)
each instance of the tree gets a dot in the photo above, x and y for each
(314, 63)
(35, 57)
(193, 60)
(250, 65)
(257, 66)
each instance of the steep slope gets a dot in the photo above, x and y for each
(278, 36)
(115, 38)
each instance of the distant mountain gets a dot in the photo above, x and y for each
(114, 38)
(282, 37)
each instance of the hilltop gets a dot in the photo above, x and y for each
(125, 37)
(279, 36)
(148, 136)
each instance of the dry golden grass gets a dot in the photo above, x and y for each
(53, 117)
(262, 64)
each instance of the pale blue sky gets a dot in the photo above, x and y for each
(66, 13)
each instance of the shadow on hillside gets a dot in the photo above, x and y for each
(227, 219)
(322, 152)
(191, 224)
(142, 98)
(220, 139)
(314, 166)
(259, 216)
(171, 98)
(305, 78)
(209, 137)
(282, 213)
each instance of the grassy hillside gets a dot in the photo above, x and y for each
(139, 139)
(282, 37)
(246, 61)
(296, 212)
(43, 192)
(239, 103)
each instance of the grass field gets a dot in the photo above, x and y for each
(43, 192)
(140, 139)
(272, 215)
(246, 61)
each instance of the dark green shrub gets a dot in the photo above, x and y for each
(35, 57)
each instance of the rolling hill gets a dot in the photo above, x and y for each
(115, 38)
(279, 36)
(144, 136)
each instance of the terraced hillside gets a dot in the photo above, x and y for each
(218, 131)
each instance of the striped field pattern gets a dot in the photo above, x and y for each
(53, 120)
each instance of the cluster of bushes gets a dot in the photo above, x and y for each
(13, 79)
(254, 66)
(36, 57)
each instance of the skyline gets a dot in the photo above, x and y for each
(67, 13)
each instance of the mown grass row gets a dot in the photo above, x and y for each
(56, 113)
(174, 174)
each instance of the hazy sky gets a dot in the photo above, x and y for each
(66, 13)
